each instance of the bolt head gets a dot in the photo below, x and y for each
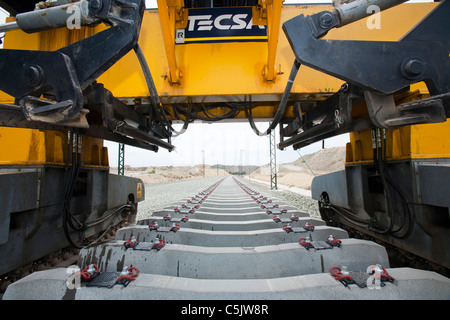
(33, 75)
(326, 19)
(95, 5)
(412, 68)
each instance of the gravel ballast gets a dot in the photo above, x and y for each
(301, 202)
(160, 195)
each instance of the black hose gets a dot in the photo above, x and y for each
(68, 218)
(409, 212)
(193, 113)
(387, 193)
(380, 162)
(214, 117)
(187, 120)
(284, 99)
(350, 217)
(386, 179)
(75, 171)
(108, 214)
(154, 97)
(76, 167)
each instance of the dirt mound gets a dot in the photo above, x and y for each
(170, 173)
(301, 172)
(295, 174)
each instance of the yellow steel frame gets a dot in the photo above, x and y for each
(428, 141)
(228, 72)
(232, 71)
(23, 147)
(268, 12)
(221, 71)
(172, 15)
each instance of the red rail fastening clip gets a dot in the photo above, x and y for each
(159, 244)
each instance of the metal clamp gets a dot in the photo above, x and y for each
(159, 244)
(330, 243)
(375, 275)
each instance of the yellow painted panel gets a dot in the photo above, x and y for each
(45, 147)
(38, 147)
(360, 147)
(427, 141)
(22, 146)
(226, 69)
(223, 68)
(431, 140)
(236, 68)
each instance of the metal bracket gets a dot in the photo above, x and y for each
(259, 13)
(168, 15)
(113, 125)
(356, 61)
(62, 75)
(184, 210)
(414, 59)
(180, 13)
(174, 228)
(329, 118)
(361, 278)
(385, 114)
(169, 218)
(31, 74)
(276, 211)
(306, 228)
(374, 72)
(330, 243)
(277, 219)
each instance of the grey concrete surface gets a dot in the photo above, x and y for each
(231, 250)
(229, 215)
(410, 284)
(196, 237)
(272, 261)
(215, 225)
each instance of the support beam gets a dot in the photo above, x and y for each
(273, 161)
(273, 29)
(121, 162)
(167, 14)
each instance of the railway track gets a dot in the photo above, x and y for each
(230, 242)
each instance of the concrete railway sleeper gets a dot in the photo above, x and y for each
(232, 247)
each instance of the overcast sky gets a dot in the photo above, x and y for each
(223, 143)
